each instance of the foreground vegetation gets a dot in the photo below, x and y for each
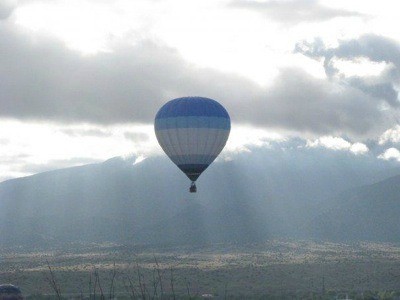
(275, 269)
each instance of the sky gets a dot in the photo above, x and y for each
(81, 81)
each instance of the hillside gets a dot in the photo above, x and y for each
(256, 196)
(366, 213)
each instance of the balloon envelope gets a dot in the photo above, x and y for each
(192, 131)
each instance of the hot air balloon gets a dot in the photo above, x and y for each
(192, 131)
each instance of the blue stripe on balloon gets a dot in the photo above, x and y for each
(192, 122)
(192, 106)
(193, 171)
(195, 158)
(193, 167)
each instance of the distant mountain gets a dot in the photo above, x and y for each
(370, 212)
(258, 195)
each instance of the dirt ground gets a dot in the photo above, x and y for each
(274, 269)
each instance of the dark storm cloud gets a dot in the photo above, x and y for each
(373, 47)
(376, 88)
(293, 11)
(45, 80)
(40, 79)
(301, 102)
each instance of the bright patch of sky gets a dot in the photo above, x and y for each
(243, 138)
(382, 15)
(28, 148)
(85, 26)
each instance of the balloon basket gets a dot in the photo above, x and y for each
(193, 188)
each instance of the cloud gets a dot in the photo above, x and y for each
(376, 87)
(41, 79)
(391, 135)
(330, 142)
(292, 12)
(6, 8)
(66, 86)
(86, 132)
(32, 168)
(390, 154)
(4, 142)
(139, 159)
(29, 148)
(136, 136)
(337, 144)
(13, 158)
(298, 101)
(359, 148)
(373, 47)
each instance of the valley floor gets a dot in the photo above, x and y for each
(274, 269)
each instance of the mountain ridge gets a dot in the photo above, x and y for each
(148, 202)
